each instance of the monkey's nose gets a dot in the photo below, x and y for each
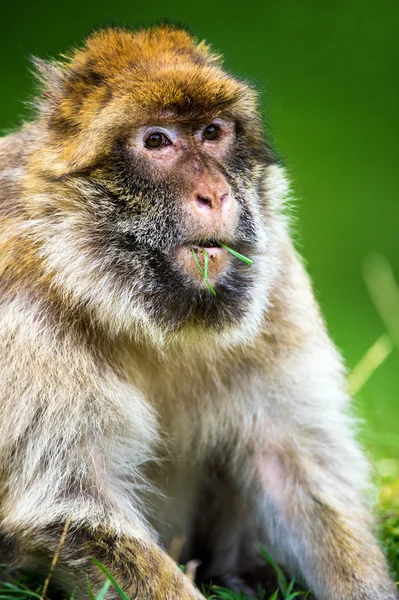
(211, 202)
(211, 199)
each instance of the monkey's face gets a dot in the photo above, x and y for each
(179, 188)
(170, 154)
(193, 162)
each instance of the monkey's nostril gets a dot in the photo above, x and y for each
(203, 201)
(224, 197)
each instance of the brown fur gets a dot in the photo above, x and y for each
(141, 569)
(119, 80)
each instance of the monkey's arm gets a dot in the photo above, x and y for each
(313, 477)
(73, 441)
(316, 521)
(141, 568)
(297, 487)
(294, 476)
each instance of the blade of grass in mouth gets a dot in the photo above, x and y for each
(206, 263)
(201, 270)
(237, 254)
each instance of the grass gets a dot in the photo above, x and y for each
(238, 255)
(204, 271)
(385, 294)
(22, 588)
(19, 588)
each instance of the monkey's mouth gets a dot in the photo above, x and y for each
(210, 246)
(218, 259)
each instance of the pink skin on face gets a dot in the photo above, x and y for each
(218, 261)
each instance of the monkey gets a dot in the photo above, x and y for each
(134, 403)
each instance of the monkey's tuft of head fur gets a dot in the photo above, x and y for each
(144, 148)
(118, 80)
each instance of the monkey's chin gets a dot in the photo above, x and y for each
(217, 265)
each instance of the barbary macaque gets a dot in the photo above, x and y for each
(135, 402)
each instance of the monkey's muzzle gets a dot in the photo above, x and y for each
(218, 261)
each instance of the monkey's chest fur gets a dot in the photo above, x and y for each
(201, 422)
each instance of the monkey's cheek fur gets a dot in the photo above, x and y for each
(218, 261)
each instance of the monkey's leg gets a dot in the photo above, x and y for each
(141, 568)
(294, 495)
(319, 529)
(222, 520)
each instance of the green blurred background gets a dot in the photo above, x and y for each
(328, 77)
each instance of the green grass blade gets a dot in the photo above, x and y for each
(290, 587)
(280, 575)
(91, 595)
(10, 588)
(20, 597)
(210, 287)
(206, 263)
(112, 580)
(225, 594)
(101, 594)
(238, 255)
(197, 262)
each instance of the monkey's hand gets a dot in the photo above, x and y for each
(141, 568)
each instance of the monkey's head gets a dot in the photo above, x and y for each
(150, 149)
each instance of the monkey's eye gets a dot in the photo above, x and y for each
(212, 132)
(156, 140)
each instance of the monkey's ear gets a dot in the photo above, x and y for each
(51, 78)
